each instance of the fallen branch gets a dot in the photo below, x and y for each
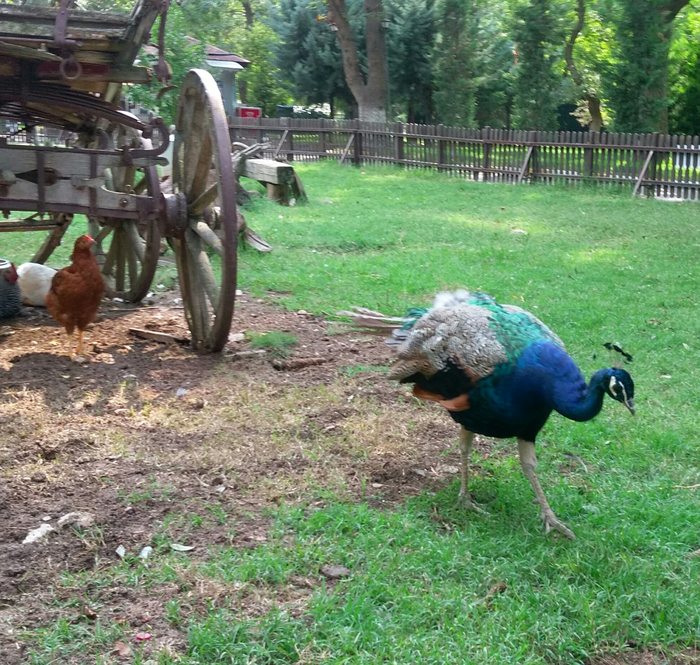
(158, 336)
(246, 354)
(299, 363)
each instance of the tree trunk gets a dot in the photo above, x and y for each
(370, 90)
(249, 14)
(592, 99)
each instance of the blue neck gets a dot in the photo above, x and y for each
(581, 401)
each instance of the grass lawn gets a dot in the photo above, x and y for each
(427, 583)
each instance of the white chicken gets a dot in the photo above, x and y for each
(34, 283)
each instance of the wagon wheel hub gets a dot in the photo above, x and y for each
(174, 216)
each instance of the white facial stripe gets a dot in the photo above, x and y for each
(624, 392)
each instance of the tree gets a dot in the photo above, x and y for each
(592, 117)
(181, 54)
(369, 85)
(536, 35)
(260, 83)
(410, 47)
(684, 92)
(495, 65)
(455, 62)
(640, 87)
(307, 53)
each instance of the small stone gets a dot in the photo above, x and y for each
(335, 572)
(39, 477)
(76, 518)
(37, 534)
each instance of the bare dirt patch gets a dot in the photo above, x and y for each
(158, 444)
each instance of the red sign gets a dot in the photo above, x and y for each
(248, 111)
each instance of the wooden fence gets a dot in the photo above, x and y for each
(657, 165)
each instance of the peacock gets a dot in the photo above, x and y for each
(498, 371)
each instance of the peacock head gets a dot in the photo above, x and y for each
(621, 388)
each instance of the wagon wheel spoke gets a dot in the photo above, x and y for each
(204, 200)
(208, 235)
(53, 239)
(127, 249)
(203, 175)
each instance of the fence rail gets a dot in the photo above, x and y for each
(664, 166)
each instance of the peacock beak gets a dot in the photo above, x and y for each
(629, 403)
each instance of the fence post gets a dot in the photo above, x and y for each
(588, 156)
(486, 150)
(660, 141)
(534, 164)
(357, 145)
(440, 131)
(400, 142)
(322, 139)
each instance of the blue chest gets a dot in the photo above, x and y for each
(516, 399)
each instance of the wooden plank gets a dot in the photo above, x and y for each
(64, 162)
(157, 336)
(523, 168)
(24, 195)
(268, 170)
(642, 173)
(38, 14)
(118, 73)
(347, 147)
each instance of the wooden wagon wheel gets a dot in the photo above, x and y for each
(128, 250)
(206, 241)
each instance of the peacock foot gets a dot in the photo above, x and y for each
(469, 503)
(551, 521)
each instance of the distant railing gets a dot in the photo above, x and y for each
(657, 165)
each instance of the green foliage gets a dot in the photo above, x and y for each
(410, 41)
(307, 52)
(538, 39)
(685, 74)
(495, 64)
(261, 80)
(593, 53)
(455, 66)
(181, 54)
(639, 91)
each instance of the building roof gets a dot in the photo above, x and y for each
(215, 56)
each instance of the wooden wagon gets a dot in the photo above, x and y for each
(64, 68)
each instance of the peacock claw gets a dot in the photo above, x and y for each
(551, 521)
(468, 503)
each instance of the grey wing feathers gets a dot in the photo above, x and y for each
(459, 334)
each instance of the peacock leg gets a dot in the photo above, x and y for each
(466, 439)
(528, 462)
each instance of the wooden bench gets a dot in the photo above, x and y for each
(279, 178)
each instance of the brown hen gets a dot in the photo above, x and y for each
(76, 291)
